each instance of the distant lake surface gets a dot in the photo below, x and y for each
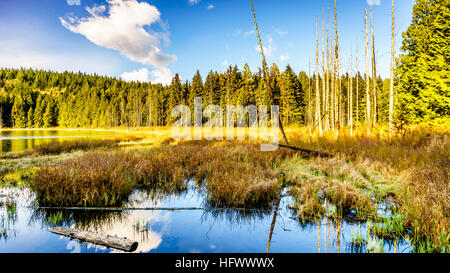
(21, 140)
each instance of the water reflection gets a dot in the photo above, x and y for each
(21, 140)
(196, 228)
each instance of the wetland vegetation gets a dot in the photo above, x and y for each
(237, 175)
(383, 186)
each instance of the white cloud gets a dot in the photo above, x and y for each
(140, 75)
(269, 49)
(163, 76)
(284, 57)
(279, 32)
(123, 30)
(73, 2)
(250, 32)
(374, 2)
(193, 2)
(226, 63)
(211, 6)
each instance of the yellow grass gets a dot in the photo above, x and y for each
(410, 171)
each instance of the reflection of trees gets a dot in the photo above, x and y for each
(80, 219)
(155, 195)
(234, 217)
(8, 219)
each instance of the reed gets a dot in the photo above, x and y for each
(235, 175)
(410, 170)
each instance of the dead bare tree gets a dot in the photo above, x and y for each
(374, 69)
(391, 91)
(333, 91)
(327, 90)
(357, 87)
(337, 74)
(318, 115)
(310, 118)
(324, 96)
(266, 74)
(368, 116)
(350, 120)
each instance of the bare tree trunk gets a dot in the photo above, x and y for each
(310, 122)
(391, 91)
(350, 120)
(267, 74)
(150, 112)
(324, 93)
(357, 88)
(374, 70)
(327, 91)
(333, 91)
(368, 116)
(338, 78)
(318, 115)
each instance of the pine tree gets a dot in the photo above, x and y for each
(196, 89)
(175, 92)
(18, 112)
(39, 112)
(30, 118)
(304, 81)
(423, 89)
(289, 96)
(48, 118)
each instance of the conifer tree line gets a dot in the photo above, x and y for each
(331, 96)
(44, 99)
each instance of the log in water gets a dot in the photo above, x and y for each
(92, 237)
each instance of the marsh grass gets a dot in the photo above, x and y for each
(389, 227)
(94, 179)
(411, 169)
(56, 218)
(315, 180)
(359, 239)
(232, 174)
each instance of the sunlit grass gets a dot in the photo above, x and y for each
(410, 169)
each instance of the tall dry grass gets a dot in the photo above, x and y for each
(232, 174)
(409, 171)
(412, 170)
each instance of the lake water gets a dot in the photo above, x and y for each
(24, 228)
(21, 140)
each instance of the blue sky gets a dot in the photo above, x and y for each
(152, 40)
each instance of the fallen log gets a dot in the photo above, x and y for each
(116, 208)
(113, 209)
(99, 239)
(311, 152)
